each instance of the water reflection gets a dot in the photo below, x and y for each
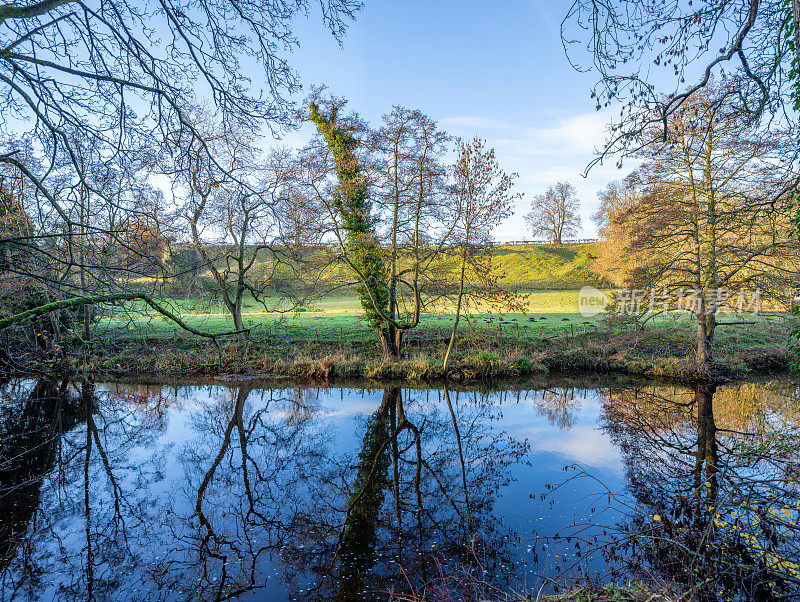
(236, 491)
(32, 427)
(715, 499)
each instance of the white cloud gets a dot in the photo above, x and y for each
(544, 154)
(577, 135)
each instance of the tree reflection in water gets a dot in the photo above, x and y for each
(247, 484)
(714, 499)
(218, 492)
(78, 450)
(420, 491)
(33, 426)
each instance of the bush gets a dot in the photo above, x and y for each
(488, 359)
(423, 366)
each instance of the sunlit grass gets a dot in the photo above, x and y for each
(339, 317)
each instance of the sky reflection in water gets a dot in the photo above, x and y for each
(130, 491)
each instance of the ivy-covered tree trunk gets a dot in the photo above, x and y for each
(361, 244)
(357, 550)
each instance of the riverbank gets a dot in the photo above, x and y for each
(664, 351)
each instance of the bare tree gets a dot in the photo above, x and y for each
(419, 215)
(633, 45)
(484, 197)
(712, 222)
(554, 214)
(102, 248)
(387, 208)
(120, 77)
(342, 166)
(232, 210)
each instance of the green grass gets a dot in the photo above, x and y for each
(519, 266)
(548, 275)
(329, 336)
(340, 317)
(548, 266)
(491, 346)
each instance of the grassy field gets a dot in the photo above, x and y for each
(547, 276)
(318, 347)
(340, 317)
(328, 337)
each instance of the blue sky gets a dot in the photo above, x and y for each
(495, 69)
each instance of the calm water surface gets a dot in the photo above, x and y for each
(250, 491)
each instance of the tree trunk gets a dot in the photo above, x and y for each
(391, 335)
(386, 343)
(706, 324)
(238, 323)
(398, 343)
(394, 336)
(458, 308)
(87, 326)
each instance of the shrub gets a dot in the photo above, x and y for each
(488, 359)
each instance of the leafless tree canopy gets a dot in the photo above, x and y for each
(95, 94)
(707, 213)
(121, 74)
(554, 214)
(652, 56)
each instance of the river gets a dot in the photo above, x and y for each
(259, 490)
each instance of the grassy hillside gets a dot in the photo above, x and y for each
(530, 267)
(548, 266)
(547, 276)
